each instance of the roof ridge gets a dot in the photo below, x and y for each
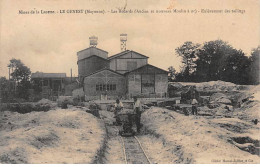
(118, 54)
(124, 52)
(92, 56)
(106, 68)
(144, 66)
(92, 47)
(48, 75)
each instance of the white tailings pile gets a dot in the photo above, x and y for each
(201, 140)
(56, 136)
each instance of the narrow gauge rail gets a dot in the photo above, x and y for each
(133, 150)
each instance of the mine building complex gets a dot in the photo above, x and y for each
(100, 76)
(122, 75)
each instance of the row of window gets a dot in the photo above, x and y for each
(106, 87)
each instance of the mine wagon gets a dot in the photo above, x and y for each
(125, 119)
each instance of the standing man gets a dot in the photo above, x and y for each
(137, 110)
(118, 107)
(194, 101)
(194, 109)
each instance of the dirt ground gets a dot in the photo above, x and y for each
(195, 139)
(152, 144)
(225, 131)
(114, 153)
(57, 136)
(216, 135)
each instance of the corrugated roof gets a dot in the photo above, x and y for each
(123, 53)
(48, 75)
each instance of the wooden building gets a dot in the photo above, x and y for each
(49, 84)
(91, 60)
(104, 83)
(125, 74)
(127, 61)
(147, 81)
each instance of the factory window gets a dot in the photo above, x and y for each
(148, 81)
(106, 87)
(110, 87)
(97, 87)
(100, 87)
(114, 87)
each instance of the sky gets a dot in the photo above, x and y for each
(50, 42)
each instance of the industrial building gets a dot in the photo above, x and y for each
(127, 61)
(122, 75)
(52, 85)
(104, 83)
(91, 60)
(49, 84)
(147, 81)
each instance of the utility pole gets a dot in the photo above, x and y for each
(9, 73)
(9, 84)
(71, 75)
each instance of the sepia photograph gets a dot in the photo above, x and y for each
(129, 82)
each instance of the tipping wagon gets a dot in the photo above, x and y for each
(126, 117)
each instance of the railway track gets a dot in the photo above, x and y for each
(133, 150)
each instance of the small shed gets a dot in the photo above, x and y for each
(49, 84)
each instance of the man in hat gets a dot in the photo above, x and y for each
(194, 109)
(118, 107)
(137, 109)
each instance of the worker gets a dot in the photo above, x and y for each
(137, 110)
(118, 107)
(194, 110)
